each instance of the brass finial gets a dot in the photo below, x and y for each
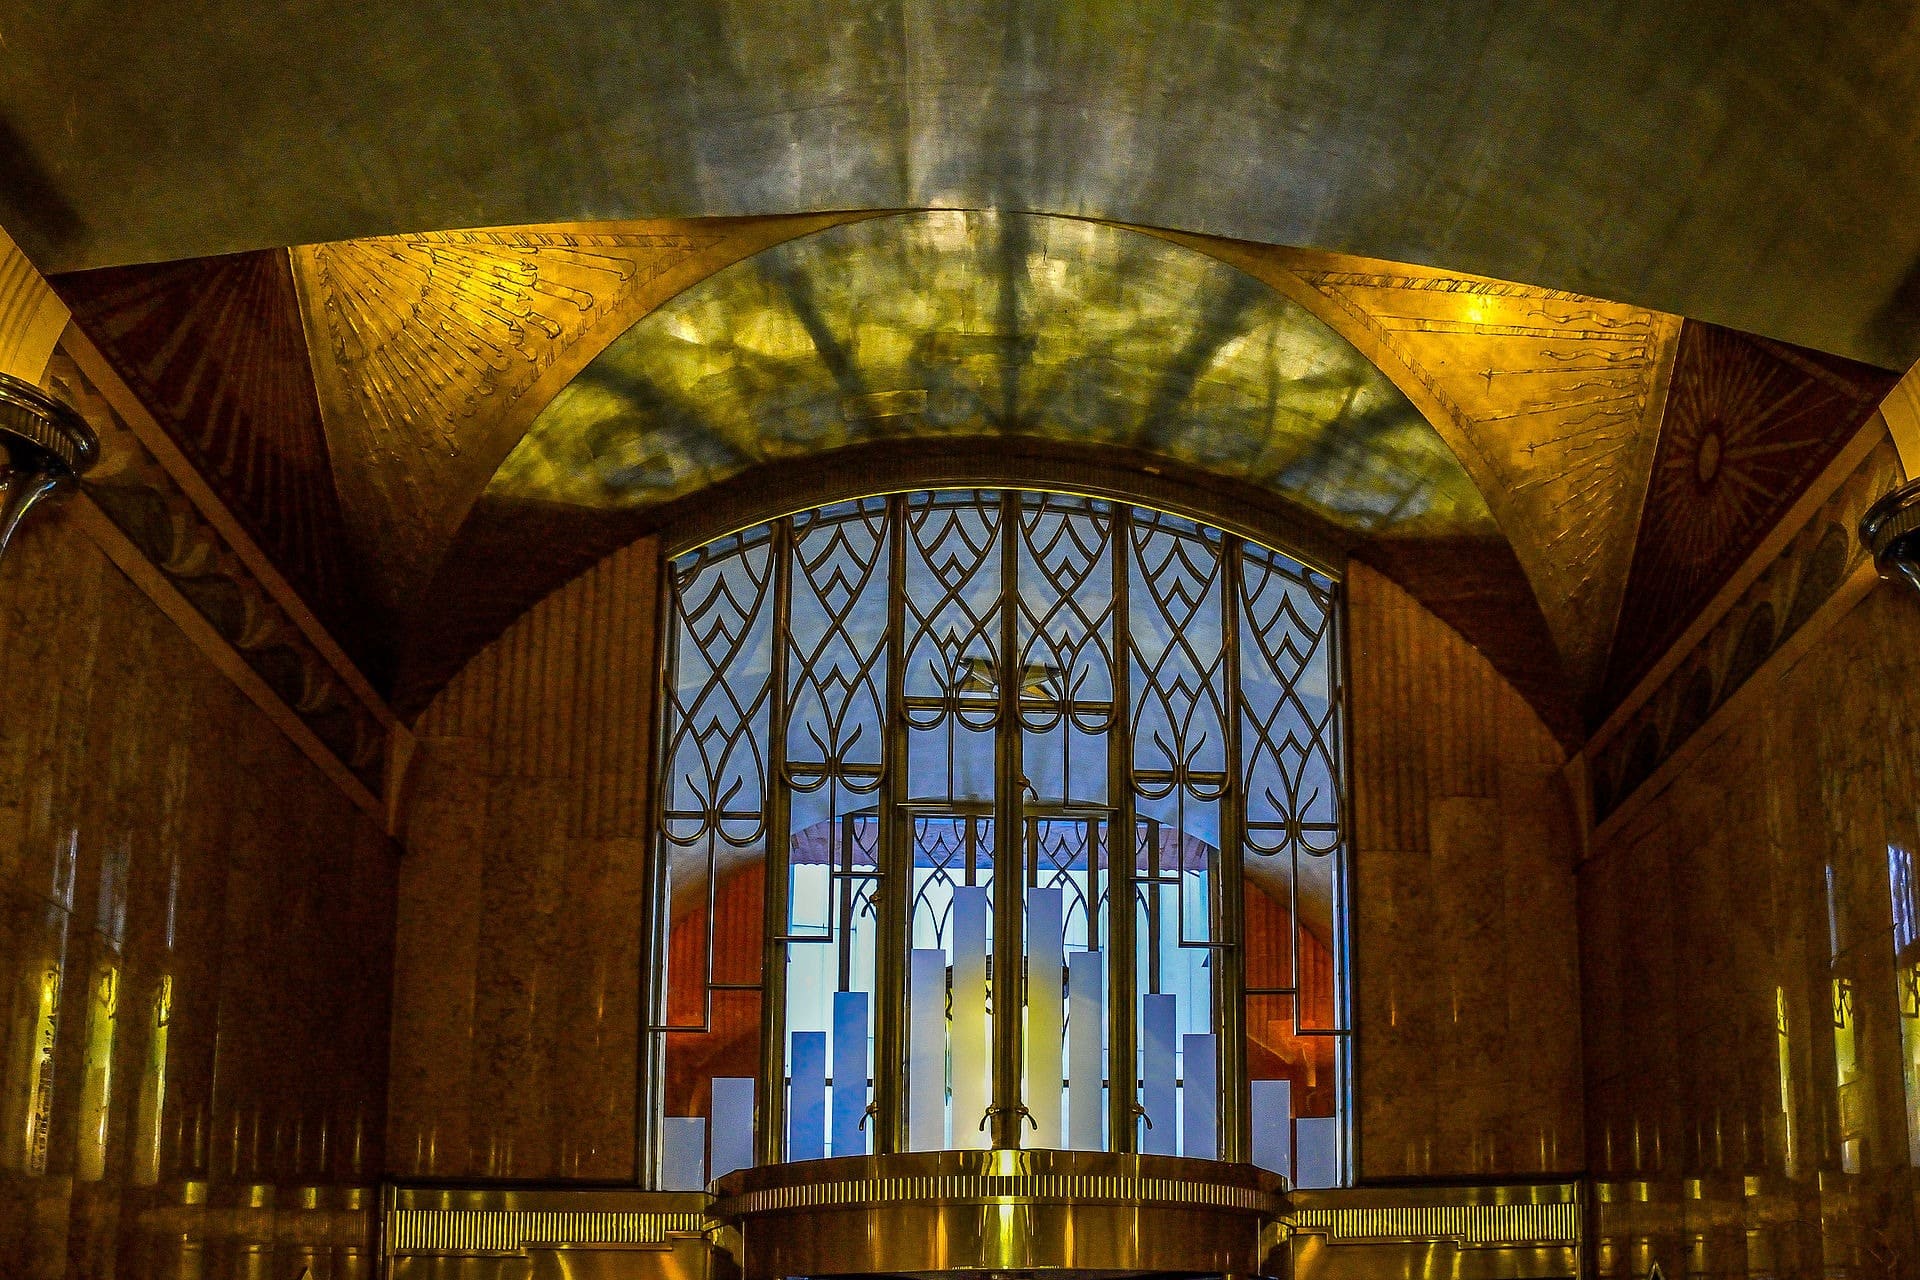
(47, 447)
(1890, 530)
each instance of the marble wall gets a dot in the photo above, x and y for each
(516, 1023)
(517, 991)
(1747, 1023)
(1466, 972)
(195, 937)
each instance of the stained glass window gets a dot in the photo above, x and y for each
(967, 797)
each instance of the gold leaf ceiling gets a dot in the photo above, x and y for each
(434, 353)
(1551, 400)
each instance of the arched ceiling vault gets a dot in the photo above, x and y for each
(488, 406)
(1258, 365)
(1392, 402)
(1746, 165)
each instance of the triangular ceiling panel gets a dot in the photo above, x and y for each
(1750, 423)
(213, 347)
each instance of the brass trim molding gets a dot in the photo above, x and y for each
(1000, 1188)
(1469, 1233)
(1469, 1226)
(514, 1231)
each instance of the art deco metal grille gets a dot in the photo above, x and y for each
(902, 739)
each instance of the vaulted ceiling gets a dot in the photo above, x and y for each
(1417, 276)
(1749, 165)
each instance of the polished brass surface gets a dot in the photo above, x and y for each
(46, 447)
(1000, 1211)
(1890, 531)
(987, 1212)
(1520, 1232)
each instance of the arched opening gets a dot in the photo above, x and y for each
(903, 737)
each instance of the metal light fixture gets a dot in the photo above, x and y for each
(1890, 530)
(47, 447)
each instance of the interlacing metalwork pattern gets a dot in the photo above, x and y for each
(873, 706)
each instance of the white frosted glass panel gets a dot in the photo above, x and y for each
(732, 1135)
(970, 1081)
(1160, 1135)
(1046, 1010)
(1199, 1098)
(927, 1050)
(1086, 1045)
(807, 1098)
(1318, 1138)
(683, 1153)
(849, 1072)
(1273, 1125)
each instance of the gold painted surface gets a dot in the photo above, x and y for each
(1551, 400)
(976, 324)
(431, 352)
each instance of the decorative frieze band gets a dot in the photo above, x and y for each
(1810, 570)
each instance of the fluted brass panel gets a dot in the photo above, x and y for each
(1464, 1233)
(507, 1234)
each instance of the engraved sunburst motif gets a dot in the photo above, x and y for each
(429, 328)
(1749, 424)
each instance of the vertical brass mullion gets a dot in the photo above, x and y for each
(1229, 975)
(1122, 970)
(895, 861)
(1008, 852)
(650, 1092)
(769, 1134)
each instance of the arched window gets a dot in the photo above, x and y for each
(903, 738)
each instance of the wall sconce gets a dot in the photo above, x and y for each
(47, 448)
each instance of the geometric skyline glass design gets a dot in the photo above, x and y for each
(904, 737)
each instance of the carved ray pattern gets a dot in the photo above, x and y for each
(214, 349)
(1554, 400)
(422, 344)
(1749, 424)
(431, 327)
